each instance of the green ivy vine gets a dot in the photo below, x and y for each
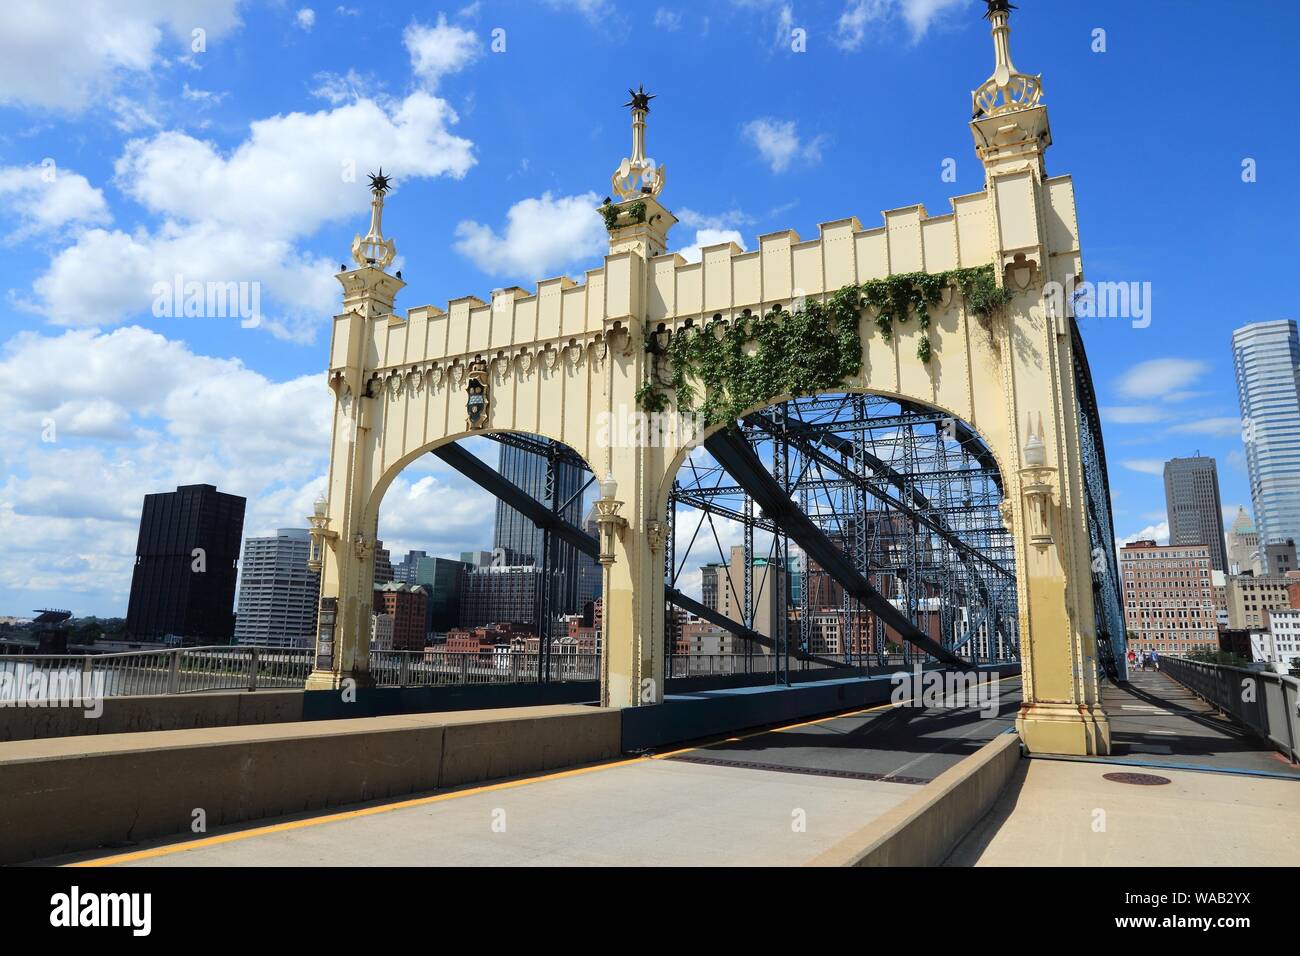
(748, 361)
(612, 213)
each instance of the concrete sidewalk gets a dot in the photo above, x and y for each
(1239, 806)
(1154, 719)
(1065, 813)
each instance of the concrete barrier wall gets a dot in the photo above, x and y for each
(695, 713)
(924, 829)
(78, 793)
(124, 715)
(702, 714)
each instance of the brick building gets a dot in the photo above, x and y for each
(1168, 597)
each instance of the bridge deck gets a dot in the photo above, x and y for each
(737, 801)
(1155, 719)
(1229, 798)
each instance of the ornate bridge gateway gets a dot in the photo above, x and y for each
(946, 316)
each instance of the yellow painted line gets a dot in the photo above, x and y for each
(290, 825)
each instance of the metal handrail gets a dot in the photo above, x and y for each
(1266, 702)
(180, 670)
(184, 670)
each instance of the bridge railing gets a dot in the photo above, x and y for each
(184, 670)
(434, 668)
(178, 670)
(703, 665)
(1264, 701)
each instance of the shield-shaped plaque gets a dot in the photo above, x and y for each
(476, 404)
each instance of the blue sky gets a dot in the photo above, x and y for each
(128, 156)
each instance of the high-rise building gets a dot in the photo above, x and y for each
(404, 570)
(1193, 506)
(1280, 556)
(1168, 597)
(769, 594)
(520, 541)
(590, 577)
(1243, 545)
(277, 591)
(499, 595)
(1250, 598)
(186, 566)
(383, 564)
(441, 578)
(406, 605)
(1267, 360)
(713, 579)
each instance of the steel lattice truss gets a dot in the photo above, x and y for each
(1111, 636)
(908, 495)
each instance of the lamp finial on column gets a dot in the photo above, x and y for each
(374, 249)
(637, 175)
(1007, 90)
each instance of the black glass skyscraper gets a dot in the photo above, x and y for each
(186, 565)
(519, 541)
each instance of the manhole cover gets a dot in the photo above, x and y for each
(1138, 779)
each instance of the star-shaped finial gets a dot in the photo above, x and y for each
(640, 98)
(998, 6)
(379, 182)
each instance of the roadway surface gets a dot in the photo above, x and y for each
(771, 797)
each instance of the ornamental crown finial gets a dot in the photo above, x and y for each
(374, 249)
(637, 175)
(1006, 90)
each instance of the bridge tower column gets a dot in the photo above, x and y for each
(630, 453)
(343, 545)
(1045, 507)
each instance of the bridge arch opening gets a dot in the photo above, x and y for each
(477, 578)
(842, 530)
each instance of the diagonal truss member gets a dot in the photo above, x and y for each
(734, 454)
(487, 478)
(968, 555)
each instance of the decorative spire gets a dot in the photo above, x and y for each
(374, 249)
(1006, 90)
(638, 175)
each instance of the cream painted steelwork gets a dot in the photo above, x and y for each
(550, 362)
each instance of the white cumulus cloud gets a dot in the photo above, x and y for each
(65, 57)
(439, 50)
(236, 216)
(778, 142)
(542, 236)
(45, 199)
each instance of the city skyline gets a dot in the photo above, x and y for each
(509, 204)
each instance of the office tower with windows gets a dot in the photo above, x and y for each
(277, 591)
(520, 541)
(1266, 356)
(1193, 507)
